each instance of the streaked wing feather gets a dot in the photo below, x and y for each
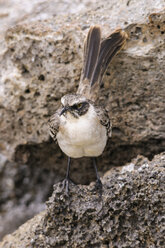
(104, 118)
(54, 123)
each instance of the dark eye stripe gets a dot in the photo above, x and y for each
(76, 106)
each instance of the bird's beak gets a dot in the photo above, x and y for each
(64, 110)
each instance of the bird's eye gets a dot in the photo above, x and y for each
(79, 105)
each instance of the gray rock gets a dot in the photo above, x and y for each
(21, 11)
(26, 232)
(41, 59)
(129, 213)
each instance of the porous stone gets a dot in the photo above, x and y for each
(129, 213)
(41, 60)
(13, 12)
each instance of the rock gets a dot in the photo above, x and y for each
(129, 213)
(18, 11)
(25, 232)
(41, 60)
(23, 192)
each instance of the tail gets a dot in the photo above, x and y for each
(97, 56)
(91, 51)
(108, 49)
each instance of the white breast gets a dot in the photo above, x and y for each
(84, 136)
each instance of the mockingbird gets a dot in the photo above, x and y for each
(80, 126)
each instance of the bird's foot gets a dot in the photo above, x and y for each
(66, 183)
(98, 185)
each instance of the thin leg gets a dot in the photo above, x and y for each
(98, 181)
(67, 179)
(68, 169)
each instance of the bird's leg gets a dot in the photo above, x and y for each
(98, 181)
(67, 179)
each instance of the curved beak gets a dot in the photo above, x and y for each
(64, 110)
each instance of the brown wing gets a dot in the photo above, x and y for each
(109, 48)
(54, 123)
(104, 118)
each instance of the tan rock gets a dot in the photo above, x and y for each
(41, 60)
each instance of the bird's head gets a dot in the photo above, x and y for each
(77, 105)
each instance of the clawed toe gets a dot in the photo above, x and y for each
(99, 184)
(66, 184)
(99, 187)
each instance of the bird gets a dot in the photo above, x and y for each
(80, 126)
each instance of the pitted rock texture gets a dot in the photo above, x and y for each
(130, 213)
(13, 12)
(41, 60)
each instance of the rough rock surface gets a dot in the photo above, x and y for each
(43, 60)
(130, 212)
(13, 12)
(40, 60)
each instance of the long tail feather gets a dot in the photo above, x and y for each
(91, 51)
(109, 48)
